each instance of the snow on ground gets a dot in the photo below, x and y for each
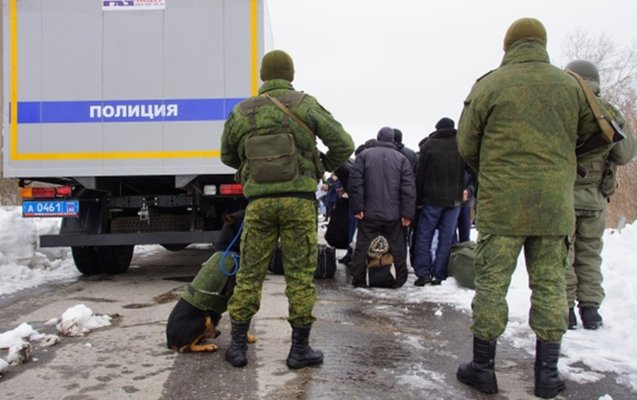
(611, 349)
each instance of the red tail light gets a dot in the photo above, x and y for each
(231, 189)
(46, 192)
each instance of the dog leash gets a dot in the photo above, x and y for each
(235, 256)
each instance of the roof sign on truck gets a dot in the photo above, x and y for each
(124, 5)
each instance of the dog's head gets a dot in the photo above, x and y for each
(232, 224)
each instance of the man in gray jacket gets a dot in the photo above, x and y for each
(382, 195)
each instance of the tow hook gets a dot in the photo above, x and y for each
(143, 213)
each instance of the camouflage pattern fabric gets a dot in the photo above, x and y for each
(496, 259)
(583, 275)
(587, 194)
(211, 288)
(293, 221)
(518, 130)
(270, 118)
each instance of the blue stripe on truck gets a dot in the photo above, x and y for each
(55, 112)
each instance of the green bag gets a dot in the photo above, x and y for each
(461, 264)
(211, 289)
(608, 184)
(272, 158)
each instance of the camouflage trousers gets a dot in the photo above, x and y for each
(584, 274)
(293, 221)
(495, 261)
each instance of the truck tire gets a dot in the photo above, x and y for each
(174, 247)
(114, 259)
(86, 260)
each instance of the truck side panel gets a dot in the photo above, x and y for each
(118, 93)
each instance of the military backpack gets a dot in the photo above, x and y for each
(273, 155)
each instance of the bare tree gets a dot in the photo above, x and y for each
(618, 80)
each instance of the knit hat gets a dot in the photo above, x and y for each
(385, 134)
(277, 64)
(445, 123)
(524, 28)
(398, 136)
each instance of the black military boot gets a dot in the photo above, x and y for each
(301, 354)
(590, 318)
(572, 320)
(480, 372)
(236, 353)
(548, 382)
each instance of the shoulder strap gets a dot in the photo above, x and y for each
(288, 112)
(603, 123)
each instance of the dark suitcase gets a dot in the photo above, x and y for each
(276, 264)
(326, 264)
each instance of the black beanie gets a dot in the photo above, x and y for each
(277, 64)
(398, 136)
(445, 123)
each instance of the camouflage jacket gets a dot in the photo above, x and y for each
(588, 197)
(518, 131)
(339, 143)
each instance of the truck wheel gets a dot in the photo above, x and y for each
(114, 259)
(86, 260)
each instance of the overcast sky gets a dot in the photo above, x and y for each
(407, 63)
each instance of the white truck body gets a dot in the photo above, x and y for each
(125, 101)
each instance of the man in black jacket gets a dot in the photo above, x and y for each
(382, 197)
(440, 186)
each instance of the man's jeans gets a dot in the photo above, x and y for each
(432, 218)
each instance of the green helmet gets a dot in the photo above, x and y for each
(585, 69)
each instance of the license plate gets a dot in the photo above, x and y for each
(51, 208)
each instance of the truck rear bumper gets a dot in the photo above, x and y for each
(118, 239)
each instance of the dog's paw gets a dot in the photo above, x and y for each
(203, 347)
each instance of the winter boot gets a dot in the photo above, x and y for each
(590, 318)
(236, 353)
(548, 382)
(301, 354)
(572, 320)
(480, 372)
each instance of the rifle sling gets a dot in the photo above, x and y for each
(607, 130)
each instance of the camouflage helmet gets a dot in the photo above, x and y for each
(277, 64)
(524, 28)
(585, 69)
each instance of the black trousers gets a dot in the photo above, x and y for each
(394, 232)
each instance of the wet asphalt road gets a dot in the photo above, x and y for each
(375, 347)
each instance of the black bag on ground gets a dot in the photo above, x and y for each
(337, 233)
(381, 272)
(276, 264)
(326, 265)
(461, 264)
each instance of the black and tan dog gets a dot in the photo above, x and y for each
(197, 313)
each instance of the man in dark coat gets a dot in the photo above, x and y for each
(440, 188)
(382, 197)
(406, 151)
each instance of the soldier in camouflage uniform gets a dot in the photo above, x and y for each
(278, 163)
(518, 132)
(592, 192)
